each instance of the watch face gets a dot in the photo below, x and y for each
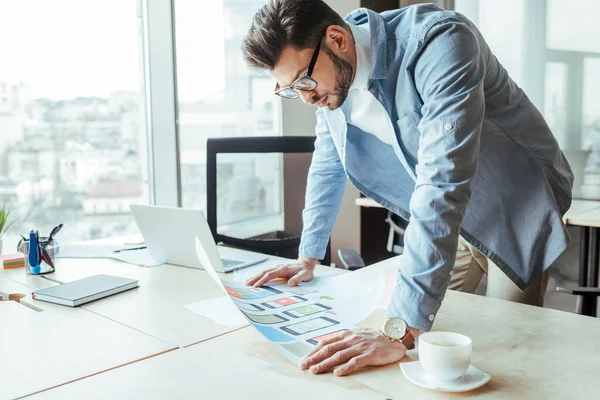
(395, 328)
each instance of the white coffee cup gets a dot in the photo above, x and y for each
(445, 355)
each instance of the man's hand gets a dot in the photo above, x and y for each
(302, 271)
(348, 351)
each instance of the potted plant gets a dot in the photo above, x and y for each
(5, 212)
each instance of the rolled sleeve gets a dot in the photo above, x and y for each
(417, 309)
(449, 75)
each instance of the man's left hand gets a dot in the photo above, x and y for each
(348, 351)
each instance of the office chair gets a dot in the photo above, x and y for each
(589, 295)
(283, 244)
(395, 243)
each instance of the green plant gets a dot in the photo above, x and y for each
(5, 212)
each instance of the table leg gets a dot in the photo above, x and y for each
(584, 239)
(592, 280)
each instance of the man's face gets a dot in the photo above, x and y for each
(333, 74)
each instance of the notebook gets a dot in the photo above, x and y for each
(85, 290)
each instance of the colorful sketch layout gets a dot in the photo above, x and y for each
(267, 319)
(312, 325)
(248, 306)
(286, 301)
(307, 310)
(316, 340)
(273, 334)
(299, 290)
(251, 293)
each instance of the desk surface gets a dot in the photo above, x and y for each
(582, 212)
(367, 202)
(154, 308)
(46, 348)
(589, 218)
(579, 207)
(530, 353)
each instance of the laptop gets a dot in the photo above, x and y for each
(170, 232)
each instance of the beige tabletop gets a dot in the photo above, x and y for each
(46, 345)
(367, 202)
(531, 353)
(589, 218)
(579, 207)
(156, 307)
(582, 212)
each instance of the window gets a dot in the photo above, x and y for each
(72, 116)
(550, 49)
(219, 96)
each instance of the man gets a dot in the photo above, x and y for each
(421, 117)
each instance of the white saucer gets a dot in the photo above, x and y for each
(472, 379)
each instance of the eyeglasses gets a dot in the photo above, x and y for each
(304, 83)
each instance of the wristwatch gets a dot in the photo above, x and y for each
(397, 330)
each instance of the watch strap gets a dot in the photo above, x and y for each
(408, 340)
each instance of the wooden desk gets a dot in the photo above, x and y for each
(589, 218)
(583, 213)
(367, 202)
(42, 349)
(579, 207)
(154, 308)
(530, 352)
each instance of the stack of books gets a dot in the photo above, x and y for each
(10, 261)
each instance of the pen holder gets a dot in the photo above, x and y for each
(47, 250)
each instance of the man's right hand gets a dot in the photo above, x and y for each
(302, 271)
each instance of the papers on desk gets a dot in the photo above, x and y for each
(140, 257)
(242, 274)
(295, 319)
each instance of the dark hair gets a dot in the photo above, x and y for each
(297, 23)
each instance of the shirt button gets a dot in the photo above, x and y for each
(431, 317)
(448, 127)
(451, 272)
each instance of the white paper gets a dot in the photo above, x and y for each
(243, 274)
(220, 310)
(206, 264)
(139, 257)
(295, 319)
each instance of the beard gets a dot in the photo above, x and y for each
(344, 73)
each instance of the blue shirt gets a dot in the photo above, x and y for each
(472, 157)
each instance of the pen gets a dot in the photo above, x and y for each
(51, 237)
(46, 258)
(34, 265)
(38, 246)
(130, 249)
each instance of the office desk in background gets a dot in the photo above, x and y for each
(530, 352)
(583, 213)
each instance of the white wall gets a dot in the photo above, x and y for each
(298, 119)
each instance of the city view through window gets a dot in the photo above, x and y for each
(73, 131)
(73, 135)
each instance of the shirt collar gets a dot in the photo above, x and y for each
(378, 39)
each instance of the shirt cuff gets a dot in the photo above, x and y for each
(312, 246)
(417, 309)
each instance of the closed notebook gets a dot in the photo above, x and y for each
(85, 290)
